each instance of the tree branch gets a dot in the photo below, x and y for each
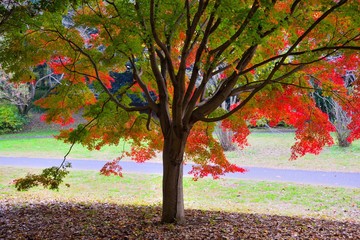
(142, 85)
(225, 89)
(97, 77)
(219, 50)
(210, 28)
(160, 43)
(204, 110)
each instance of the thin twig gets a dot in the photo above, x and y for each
(82, 129)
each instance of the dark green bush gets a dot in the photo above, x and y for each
(10, 119)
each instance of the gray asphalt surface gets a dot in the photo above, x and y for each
(339, 179)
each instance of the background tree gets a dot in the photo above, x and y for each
(161, 40)
(341, 70)
(225, 136)
(22, 95)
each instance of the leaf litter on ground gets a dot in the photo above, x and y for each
(88, 220)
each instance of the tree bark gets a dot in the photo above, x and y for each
(342, 138)
(173, 197)
(23, 109)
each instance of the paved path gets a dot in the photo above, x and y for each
(254, 173)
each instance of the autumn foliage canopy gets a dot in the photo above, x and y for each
(186, 59)
(287, 40)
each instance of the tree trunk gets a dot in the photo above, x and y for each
(225, 137)
(341, 123)
(173, 198)
(23, 109)
(342, 138)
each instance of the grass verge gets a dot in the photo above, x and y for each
(227, 195)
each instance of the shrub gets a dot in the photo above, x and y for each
(10, 119)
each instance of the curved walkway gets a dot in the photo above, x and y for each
(339, 179)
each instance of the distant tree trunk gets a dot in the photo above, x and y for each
(225, 137)
(337, 115)
(341, 123)
(23, 109)
(342, 140)
(173, 198)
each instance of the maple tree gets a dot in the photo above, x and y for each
(257, 50)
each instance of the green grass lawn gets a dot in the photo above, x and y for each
(266, 149)
(42, 144)
(269, 149)
(228, 195)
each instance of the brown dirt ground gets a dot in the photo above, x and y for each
(66, 220)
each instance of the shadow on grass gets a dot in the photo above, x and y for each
(70, 220)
